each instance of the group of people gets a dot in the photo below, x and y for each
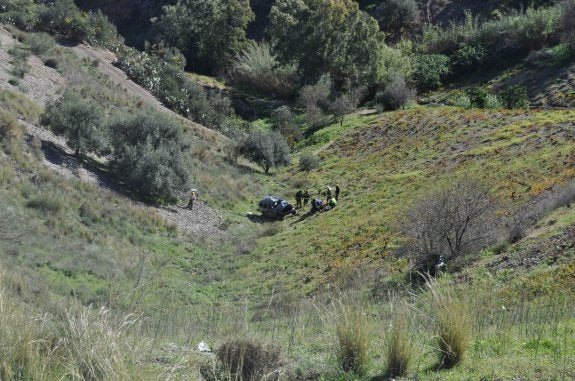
(327, 199)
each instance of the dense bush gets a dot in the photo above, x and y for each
(268, 149)
(396, 93)
(256, 67)
(514, 97)
(430, 70)
(567, 22)
(79, 121)
(22, 13)
(285, 122)
(469, 57)
(148, 155)
(64, 17)
(308, 162)
(397, 17)
(510, 35)
(170, 84)
(208, 32)
(477, 96)
(450, 221)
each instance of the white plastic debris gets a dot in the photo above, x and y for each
(203, 347)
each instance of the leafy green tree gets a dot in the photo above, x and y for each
(397, 17)
(208, 32)
(78, 120)
(327, 36)
(149, 154)
(268, 149)
(430, 70)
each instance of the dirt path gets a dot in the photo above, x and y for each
(42, 84)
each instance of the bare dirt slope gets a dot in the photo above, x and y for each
(41, 84)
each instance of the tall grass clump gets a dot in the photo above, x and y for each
(96, 347)
(399, 352)
(353, 340)
(247, 359)
(453, 324)
(25, 352)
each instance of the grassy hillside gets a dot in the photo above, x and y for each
(105, 288)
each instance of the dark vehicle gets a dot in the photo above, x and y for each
(275, 208)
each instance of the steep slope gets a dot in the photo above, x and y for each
(382, 163)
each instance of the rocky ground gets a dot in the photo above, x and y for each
(41, 84)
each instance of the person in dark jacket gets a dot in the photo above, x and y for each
(298, 198)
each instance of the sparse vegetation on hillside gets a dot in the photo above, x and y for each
(99, 286)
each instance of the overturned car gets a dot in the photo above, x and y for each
(275, 208)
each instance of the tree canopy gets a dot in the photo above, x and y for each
(208, 32)
(327, 36)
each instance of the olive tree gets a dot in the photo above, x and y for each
(149, 155)
(79, 121)
(268, 149)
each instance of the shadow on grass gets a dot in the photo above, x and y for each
(101, 172)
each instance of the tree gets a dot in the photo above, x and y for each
(285, 122)
(397, 17)
(268, 149)
(450, 221)
(148, 154)
(567, 22)
(326, 36)
(208, 32)
(396, 94)
(78, 120)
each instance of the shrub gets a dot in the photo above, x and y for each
(268, 149)
(284, 121)
(148, 155)
(314, 99)
(514, 97)
(10, 131)
(345, 103)
(430, 70)
(454, 325)
(397, 17)
(396, 94)
(567, 22)
(477, 97)
(22, 13)
(256, 67)
(308, 162)
(170, 84)
(352, 334)
(40, 43)
(79, 120)
(64, 17)
(399, 347)
(250, 359)
(469, 57)
(450, 221)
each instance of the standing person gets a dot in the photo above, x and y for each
(337, 192)
(306, 197)
(328, 192)
(298, 197)
(193, 197)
